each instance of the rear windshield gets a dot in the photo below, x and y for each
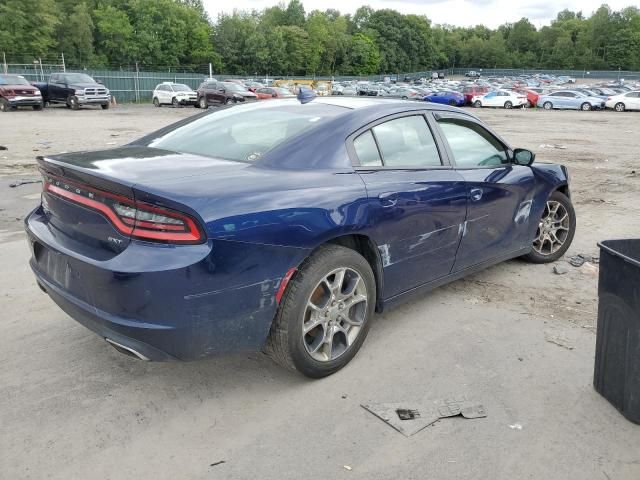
(13, 80)
(245, 133)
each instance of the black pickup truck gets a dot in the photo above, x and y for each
(74, 90)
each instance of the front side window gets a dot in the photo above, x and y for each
(407, 142)
(472, 145)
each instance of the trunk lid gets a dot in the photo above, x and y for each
(77, 185)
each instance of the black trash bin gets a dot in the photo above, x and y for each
(617, 369)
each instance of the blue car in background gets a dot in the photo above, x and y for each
(571, 100)
(283, 226)
(446, 97)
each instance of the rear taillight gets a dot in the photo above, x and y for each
(129, 217)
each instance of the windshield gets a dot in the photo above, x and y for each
(244, 133)
(78, 78)
(233, 87)
(13, 80)
(179, 87)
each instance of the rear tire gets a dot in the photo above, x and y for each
(619, 107)
(547, 106)
(325, 347)
(452, 103)
(508, 105)
(156, 102)
(585, 107)
(228, 101)
(564, 231)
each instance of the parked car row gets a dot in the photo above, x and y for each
(71, 89)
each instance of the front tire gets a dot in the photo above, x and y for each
(477, 104)
(174, 102)
(37, 107)
(547, 106)
(556, 229)
(104, 106)
(324, 314)
(73, 102)
(4, 105)
(156, 102)
(203, 103)
(619, 107)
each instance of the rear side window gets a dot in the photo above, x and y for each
(367, 150)
(472, 145)
(407, 142)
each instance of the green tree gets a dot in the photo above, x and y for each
(76, 36)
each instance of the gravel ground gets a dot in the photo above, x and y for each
(516, 337)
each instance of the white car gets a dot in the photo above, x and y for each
(624, 101)
(168, 93)
(500, 98)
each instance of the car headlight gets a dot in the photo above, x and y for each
(79, 92)
(37, 93)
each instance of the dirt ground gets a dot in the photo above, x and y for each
(516, 337)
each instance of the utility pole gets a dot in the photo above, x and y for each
(4, 63)
(64, 67)
(210, 70)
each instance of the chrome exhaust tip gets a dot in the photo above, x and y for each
(126, 350)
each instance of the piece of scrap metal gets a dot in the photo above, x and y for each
(410, 418)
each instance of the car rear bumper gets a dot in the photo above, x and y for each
(166, 302)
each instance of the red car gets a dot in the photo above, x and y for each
(16, 91)
(471, 91)
(267, 93)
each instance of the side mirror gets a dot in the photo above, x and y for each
(522, 156)
(222, 90)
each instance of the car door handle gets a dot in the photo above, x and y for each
(388, 199)
(475, 194)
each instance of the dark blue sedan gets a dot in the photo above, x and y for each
(283, 226)
(447, 97)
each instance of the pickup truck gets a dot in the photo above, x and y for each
(74, 90)
(473, 74)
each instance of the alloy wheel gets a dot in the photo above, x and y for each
(553, 229)
(619, 107)
(335, 314)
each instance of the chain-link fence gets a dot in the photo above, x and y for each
(135, 85)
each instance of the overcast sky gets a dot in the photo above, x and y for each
(456, 12)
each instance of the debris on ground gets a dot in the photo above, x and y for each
(557, 340)
(347, 467)
(115, 134)
(582, 258)
(590, 269)
(515, 426)
(2, 147)
(24, 182)
(560, 269)
(553, 145)
(410, 418)
(217, 463)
